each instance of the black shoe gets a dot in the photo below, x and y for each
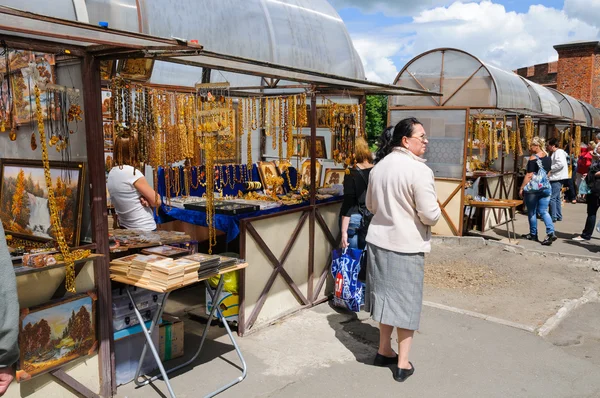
(382, 360)
(403, 374)
(530, 237)
(549, 239)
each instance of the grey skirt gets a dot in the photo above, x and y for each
(394, 291)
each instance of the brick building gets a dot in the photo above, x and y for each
(576, 73)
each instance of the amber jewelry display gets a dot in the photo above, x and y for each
(69, 257)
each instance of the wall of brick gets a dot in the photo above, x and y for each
(577, 71)
(595, 100)
(544, 74)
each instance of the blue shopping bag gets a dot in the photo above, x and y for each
(345, 267)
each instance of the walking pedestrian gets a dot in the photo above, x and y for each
(583, 163)
(559, 176)
(355, 217)
(592, 201)
(537, 194)
(9, 316)
(402, 197)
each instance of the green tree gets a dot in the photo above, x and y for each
(376, 117)
(20, 202)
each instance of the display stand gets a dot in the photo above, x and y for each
(153, 329)
(507, 205)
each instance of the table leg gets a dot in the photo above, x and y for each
(213, 296)
(149, 342)
(512, 222)
(507, 229)
(153, 325)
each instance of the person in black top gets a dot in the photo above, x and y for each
(354, 213)
(538, 201)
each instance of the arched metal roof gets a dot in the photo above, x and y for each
(306, 34)
(465, 80)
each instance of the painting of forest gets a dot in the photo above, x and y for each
(24, 206)
(56, 334)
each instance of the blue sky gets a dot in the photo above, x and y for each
(506, 33)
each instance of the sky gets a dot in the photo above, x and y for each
(506, 33)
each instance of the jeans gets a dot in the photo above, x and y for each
(538, 202)
(590, 222)
(571, 193)
(355, 239)
(555, 202)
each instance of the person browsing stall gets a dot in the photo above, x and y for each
(354, 213)
(130, 193)
(402, 197)
(558, 176)
(538, 200)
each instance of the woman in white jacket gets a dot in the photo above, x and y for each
(402, 197)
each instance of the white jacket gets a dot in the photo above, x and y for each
(401, 195)
(560, 168)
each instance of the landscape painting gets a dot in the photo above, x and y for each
(24, 206)
(56, 333)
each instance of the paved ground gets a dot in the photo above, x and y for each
(574, 216)
(323, 353)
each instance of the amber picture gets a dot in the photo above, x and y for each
(305, 173)
(334, 177)
(266, 170)
(299, 146)
(22, 107)
(139, 69)
(106, 104)
(55, 334)
(320, 148)
(24, 205)
(107, 69)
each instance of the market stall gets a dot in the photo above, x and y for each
(479, 129)
(60, 125)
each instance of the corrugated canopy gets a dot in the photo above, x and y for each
(18, 27)
(465, 80)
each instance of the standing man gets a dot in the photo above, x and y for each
(9, 316)
(559, 174)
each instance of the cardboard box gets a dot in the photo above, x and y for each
(171, 338)
(229, 304)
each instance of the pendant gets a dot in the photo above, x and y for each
(13, 135)
(33, 142)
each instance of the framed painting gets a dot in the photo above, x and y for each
(107, 69)
(321, 149)
(305, 173)
(268, 169)
(56, 333)
(323, 116)
(23, 96)
(139, 69)
(24, 206)
(299, 146)
(106, 105)
(334, 177)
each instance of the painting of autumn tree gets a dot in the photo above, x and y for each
(54, 335)
(24, 202)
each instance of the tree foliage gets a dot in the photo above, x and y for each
(20, 202)
(376, 116)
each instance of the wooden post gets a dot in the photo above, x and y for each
(97, 180)
(313, 194)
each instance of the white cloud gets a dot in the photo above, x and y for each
(390, 7)
(585, 10)
(377, 58)
(506, 39)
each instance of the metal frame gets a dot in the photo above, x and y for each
(153, 329)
